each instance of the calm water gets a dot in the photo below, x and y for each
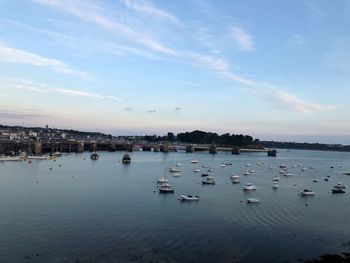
(104, 211)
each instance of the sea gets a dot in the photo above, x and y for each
(78, 210)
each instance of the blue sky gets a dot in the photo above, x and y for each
(271, 69)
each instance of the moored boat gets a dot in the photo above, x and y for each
(126, 158)
(235, 179)
(249, 187)
(165, 189)
(94, 156)
(307, 192)
(162, 180)
(208, 180)
(188, 197)
(253, 200)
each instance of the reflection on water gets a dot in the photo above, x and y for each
(104, 211)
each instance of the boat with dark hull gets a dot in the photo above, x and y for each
(126, 159)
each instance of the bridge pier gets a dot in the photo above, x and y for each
(190, 148)
(236, 151)
(212, 149)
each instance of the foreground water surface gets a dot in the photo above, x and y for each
(103, 211)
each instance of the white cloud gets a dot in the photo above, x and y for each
(243, 41)
(148, 8)
(92, 13)
(280, 99)
(19, 56)
(296, 40)
(42, 88)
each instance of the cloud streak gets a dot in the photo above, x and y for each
(88, 11)
(242, 40)
(41, 88)
(148, 8)
(18, 56)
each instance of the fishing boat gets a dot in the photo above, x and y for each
(274, 185)
(176, 174)
(188, 197)
(194, 161)
(162, 180)
(246, 172)
(196, 170)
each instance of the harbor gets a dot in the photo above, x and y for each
(122, 206)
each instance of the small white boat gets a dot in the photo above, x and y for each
(274, 185)
(307, 192)
(304, 169)
(205, 166)
(176, 174)
(249, 187)
(235, 179)
(194, 161)
(210, 170)
(260, 163)
(223, 165)
(174, 169)
(275, 179)
(251, 171)
(270, 167)
(162, 180)
(208, 180)
(196, 171)
(288, 174)
(188, 197)
(315, 180)
(253, 200)
(247, 164)
(246, 172)
(178, 164)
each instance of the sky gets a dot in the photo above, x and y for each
(271, 69)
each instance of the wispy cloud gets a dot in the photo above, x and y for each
(242, 40)
(18, 56)
(296, 40)
(279, 99)
(151, 111)
(148, 8)
(42, 88)
(128, 108)
(178, 108)
(94, 14)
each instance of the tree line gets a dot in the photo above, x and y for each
(202, 137)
